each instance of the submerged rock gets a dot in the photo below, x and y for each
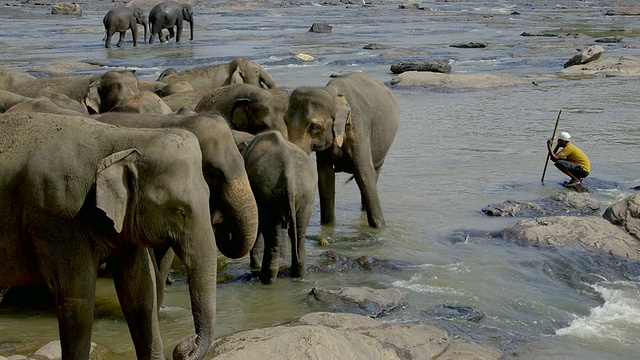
(359, 300)
(457, 312)
(560, 204)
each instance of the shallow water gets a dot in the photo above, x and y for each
(455, 152)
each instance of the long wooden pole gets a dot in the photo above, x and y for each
(553, 137)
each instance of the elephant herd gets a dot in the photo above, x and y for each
(165, 15)
(110, 169)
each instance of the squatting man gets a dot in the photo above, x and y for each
(572, 161)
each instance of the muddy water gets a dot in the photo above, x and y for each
(455, 152)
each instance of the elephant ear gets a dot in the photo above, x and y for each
(342, 119)
(114, 176)
(238, 116)
(234, 78)
(92, 100)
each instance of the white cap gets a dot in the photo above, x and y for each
(564, 136)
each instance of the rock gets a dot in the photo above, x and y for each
(375, 46)
(469, 45)
(587, 55)
(324, 336)
(455, 311)
(624, 11)
(433, 66)
(65, 8)
(334, 261)
(606, 67)
(577, 231)
(459, 81)
(530, 34)
(303, 57)
(409, 5)
(320, 28)
(609, 40)
(626, 213)
(359, 300)
(562, 203)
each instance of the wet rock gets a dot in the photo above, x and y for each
(359, 300)
(542, 34)
(325, 336)
(626, 213)
(560, 204)
(588, 232)
(331, 260)
(609, 40)
(374, 46)
(469, 45)
(320, 28)
(587, 55)
(53, 351)
(303, 57)
(457, 312)
(409, 5)
(606, 67)
(65, 8)
(433, 66)
(624, 11)
(460, 81)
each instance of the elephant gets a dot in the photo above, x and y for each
(209, 77)
(283, 180)
(224, 172)
(74, 87)
(77, 193)
(9, 78)
(42, 104)
(166, 15)
(248, 108)
(119, 20)
(350, 124)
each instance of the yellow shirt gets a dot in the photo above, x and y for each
(573, 154)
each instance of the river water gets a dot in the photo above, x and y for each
(455, 152)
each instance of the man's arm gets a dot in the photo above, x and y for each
(552, 153)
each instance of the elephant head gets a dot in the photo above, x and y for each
(110, 89)
(317, 118)
(187, 15)
(243, 70)
(141, 19)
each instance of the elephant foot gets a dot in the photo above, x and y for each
(119, 45)
(267, 280)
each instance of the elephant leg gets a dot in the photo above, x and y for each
(121, 40)
(107, 43)
(72, 280)
(271, 257)
(297, 235)
(178, 32)
(172, 34)
(135, 283)
(134, 34)
(366, 178)
(256, 252)
(162, 258)
(326, 187)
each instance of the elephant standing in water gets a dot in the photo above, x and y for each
(283, 181)
(121, 19)
(76, 193)
(223, 166)
(350, 124)
(166, 15)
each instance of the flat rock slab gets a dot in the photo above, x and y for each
(578, 231)
(325, 336)
(433, 66)
(561, 204)
(459, 81)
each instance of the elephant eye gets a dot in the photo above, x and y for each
(315, 129)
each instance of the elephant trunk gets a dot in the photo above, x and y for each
(191, 27)
(267, 79)
(240, 219)
(201, 265)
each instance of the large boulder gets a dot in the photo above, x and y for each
(589, 232)
(606, 67)
(433, 66)
(65, 8)
(626, 213)
(324, 336)
(564, 203)
(359, 300)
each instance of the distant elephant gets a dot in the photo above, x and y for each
(248, 108)
(283, 181)
(240, 70)
(121, 19)
(350, 124)
(166, 15)
(77, 193)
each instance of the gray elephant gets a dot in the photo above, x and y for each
(248, 108)
(283, 181)
(350, 124)
(74, 87)
(232, 204)
(166, 15)
(121, 19)
(77, 193)
(240, 70)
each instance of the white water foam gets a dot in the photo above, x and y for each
(616, 319)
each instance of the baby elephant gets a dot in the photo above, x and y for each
(121, 19)
(166, 15)
(283, 180)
